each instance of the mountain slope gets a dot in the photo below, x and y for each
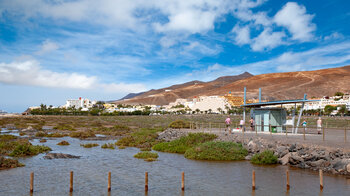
(289, 85)
(186, 90)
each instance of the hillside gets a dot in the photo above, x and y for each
(289, 85)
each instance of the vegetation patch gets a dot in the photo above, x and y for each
(266, 157)
(121, 147)
(7, 137)
(28, 149)
(184, 143)
(64, 126)
(63, 143)
(43, 141)
(43, 134)
(178, 124)
(147, 156)
(6, 163)
(40, 134)
(145, 138)
(82, 134)
(116, 130)
(217, 151)
(89, 145)
(108, 145)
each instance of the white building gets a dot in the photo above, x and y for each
(333, 101)
(79, 103)
(206, 103)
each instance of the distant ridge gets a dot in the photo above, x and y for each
(131, 95)
(186, 90)
(275, 86)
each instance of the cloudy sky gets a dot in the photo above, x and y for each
(52, 50)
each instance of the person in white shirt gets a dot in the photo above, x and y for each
(241, 124)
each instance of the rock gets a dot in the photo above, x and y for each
(252, 146)
(318, 164)
(285, 159)
(348, 168)
(292, 148)
(340, 164)
(248, 157)
(281, 151)
(30, 128)
(60, 156)
(295, 159)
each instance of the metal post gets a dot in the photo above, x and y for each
(245, 98)
(259, 95)
(300, 113)
(345, 134)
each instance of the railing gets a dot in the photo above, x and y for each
(335, 134)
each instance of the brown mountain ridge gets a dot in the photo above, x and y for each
(275, 86)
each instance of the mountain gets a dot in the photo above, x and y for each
(131, 95)
(275, 86)
(186, 90)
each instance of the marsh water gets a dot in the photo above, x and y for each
(201, 177)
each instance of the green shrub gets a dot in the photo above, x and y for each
(178, 124)
(145, 138)
(7, 137)
(6, 163)
(40, 134)
(147, 156)
(82, 134)
(217, 151)
(108, 145)
(63, 143)
(116, 130)
(264, 158)
(89, 145)
(184, 143)
(56, 135)
(62, 126)
(28, 150)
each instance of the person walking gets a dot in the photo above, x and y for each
(251, 124)
(319, 125)
(228, 124)
(241, 124)
(304, 124)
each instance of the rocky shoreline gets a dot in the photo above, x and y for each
(301, 155)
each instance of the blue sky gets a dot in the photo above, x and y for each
(52, 50)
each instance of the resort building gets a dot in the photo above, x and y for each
(79, 103)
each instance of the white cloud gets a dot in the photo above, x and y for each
(47, 46)
(30, 73)
(297, 21)
(334, 36)
(267, 40)
(242, 34)
(318, 58)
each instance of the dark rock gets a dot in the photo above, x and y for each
(292, 148)
(285, 159)
(60, 156)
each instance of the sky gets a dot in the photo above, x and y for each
(53, 50)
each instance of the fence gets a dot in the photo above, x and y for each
(313, 133)
(109, 187)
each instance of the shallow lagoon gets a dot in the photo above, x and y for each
(201, 177)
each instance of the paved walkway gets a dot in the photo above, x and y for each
(334, 138)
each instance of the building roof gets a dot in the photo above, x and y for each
(280, 102)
